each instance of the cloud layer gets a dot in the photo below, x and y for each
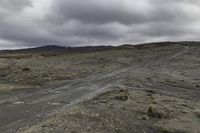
(28, 23)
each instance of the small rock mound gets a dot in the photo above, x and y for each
(122, 95)
(154, 112)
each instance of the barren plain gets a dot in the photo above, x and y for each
(148, 88)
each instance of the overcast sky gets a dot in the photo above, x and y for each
(30, 23)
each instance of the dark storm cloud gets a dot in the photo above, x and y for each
(96, 11)
(26, 23)
(125, 12)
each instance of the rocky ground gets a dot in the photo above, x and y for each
(149, 88)
(142, 111)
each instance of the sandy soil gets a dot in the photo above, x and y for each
(148, 89)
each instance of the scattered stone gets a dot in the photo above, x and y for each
(104, 101)
(166, 130)
(138, 86)
(145, 117)
(184, 111)
(26, 69)
(197, 113)
(18, 102)
(154, 112)
(154, 102)
(54, 104)
(122, 95)
(44, 126)
(124, 90)
(150, 91)
(148, 78)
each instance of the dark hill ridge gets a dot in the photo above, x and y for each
(62, 49)
(161, 44)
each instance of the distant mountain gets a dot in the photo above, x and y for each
(62, 49)
(50, 48)
(59, 49)
(47, 48)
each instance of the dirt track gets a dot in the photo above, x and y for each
(168, 70)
